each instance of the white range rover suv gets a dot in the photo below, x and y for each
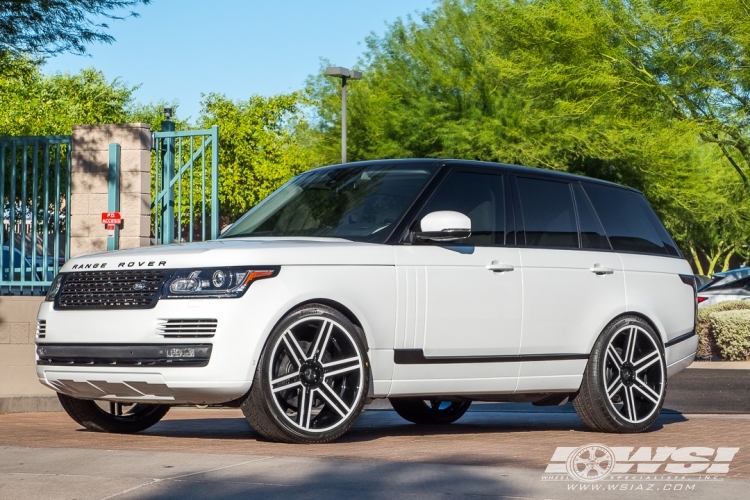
(433, 283)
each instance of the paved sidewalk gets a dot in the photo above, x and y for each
(720, 365)
(482, 437)
(64, 473)
(496, 450)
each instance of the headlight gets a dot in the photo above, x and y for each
(54, 288)
(227, 282)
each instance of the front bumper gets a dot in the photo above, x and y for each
(166, 355)
(122, 355)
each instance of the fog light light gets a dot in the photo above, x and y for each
(180, 352)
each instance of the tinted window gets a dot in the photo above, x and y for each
(592, 232)
(480, 197)
(628, 221)
(360, 203)
(548, 215)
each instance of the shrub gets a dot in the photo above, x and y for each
(731, 330)
(707, 345)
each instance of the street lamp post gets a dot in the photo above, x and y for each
(345, 75)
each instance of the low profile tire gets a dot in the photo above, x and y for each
(312, 378)
(625, 381)
(120, 419)
(429, 411)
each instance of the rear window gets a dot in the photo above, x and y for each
(724, 283)
(734, 280)
(629, 221)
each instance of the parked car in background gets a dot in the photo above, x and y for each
(702, 279)
(433, 283)
(26, 269)
(728, 285)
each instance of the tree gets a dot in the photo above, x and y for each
(258, 148)
(32, 103)
(45, 27)
(684, 59)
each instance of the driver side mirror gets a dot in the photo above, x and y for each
(444, 225)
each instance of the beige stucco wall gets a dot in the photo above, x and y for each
(17, 359)
(89, 168)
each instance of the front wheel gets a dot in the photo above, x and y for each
(113, 417)
(625, 381)
(429, 411)
(312, 378)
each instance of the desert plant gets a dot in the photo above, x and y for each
(707, 346)
(731, 331)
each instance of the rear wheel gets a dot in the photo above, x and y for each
(625, 381)
(113, 417)
(429, 411)
(312, 379)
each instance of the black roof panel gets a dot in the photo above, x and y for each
(518, 169)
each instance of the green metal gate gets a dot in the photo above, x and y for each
(35, 201)
(185, 183)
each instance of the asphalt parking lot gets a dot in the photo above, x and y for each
(494, 451)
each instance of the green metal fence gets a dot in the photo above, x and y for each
(185, 183)
(34, 195)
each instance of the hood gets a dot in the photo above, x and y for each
(239, 252)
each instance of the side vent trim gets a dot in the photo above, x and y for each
(187, 328)
(41, 329)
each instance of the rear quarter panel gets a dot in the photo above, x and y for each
(653, 288)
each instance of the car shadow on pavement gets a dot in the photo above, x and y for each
(380, 423)
(290, 478)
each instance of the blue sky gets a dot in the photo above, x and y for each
(180, 48)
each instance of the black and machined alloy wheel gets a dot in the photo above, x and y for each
(113, 417)
(625, 381)
(312, 379)
(429, 411)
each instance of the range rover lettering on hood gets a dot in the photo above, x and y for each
(103, 265)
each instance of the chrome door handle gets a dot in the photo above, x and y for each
(499, 267)
(599, 270)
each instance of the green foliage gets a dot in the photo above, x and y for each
(731, 329)
(153, 114)
(258, 148)
(35, 104)
(53, 26)
(707, 344)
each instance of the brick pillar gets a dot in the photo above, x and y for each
(88, 193)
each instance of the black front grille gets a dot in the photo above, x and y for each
(111, 289)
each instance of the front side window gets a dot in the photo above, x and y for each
(629, 222)
(480, 197)
(360, 203)
(549, 218)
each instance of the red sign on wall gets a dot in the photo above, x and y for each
(111, 218)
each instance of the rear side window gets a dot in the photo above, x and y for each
(629, 221)
(592, 232)
(548, 214)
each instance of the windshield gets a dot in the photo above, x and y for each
(360, 203)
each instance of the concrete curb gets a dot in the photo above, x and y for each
(25, 404)
(721, 365)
